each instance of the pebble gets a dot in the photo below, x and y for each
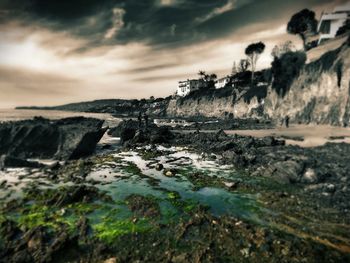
(159, 166)
(310, 176)
(230, 184)
(169, 173)
(111, 260)
(330, 188)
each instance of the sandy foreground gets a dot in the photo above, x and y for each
(313, 135)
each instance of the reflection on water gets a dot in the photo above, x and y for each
(120, 184)
(119, 181)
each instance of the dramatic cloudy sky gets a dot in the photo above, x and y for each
(55, 52)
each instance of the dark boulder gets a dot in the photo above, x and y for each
(285, 172)
(159, 166)
(69, 138)
(128, 131)
(160, 135)
(126, 125)
(139, 137)
(9, 161)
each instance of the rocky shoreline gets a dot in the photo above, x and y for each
(173, 196)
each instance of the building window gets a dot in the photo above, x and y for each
(325, 27)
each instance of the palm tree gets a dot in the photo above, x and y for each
(202, 74)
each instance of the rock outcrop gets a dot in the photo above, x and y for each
(9, 161)
(129, 131)
(124, 125)
(69, 138)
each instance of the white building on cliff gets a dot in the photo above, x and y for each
(331, 22)
(187, 86)
(222, 82)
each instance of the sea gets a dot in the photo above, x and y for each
(16, 115)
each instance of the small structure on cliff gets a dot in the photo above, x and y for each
(187, 86)
(331, 22)
(222, 82)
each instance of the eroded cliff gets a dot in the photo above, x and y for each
(319, 94)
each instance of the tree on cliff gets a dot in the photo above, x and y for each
(213, 77)
(283, 48)
(253, 52)
(285, 69)
(302, 24)
(243, 65)
(201, 74)
(208, 78)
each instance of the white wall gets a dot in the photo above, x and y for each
(337, 20)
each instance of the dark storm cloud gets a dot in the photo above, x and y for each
(163, 23)
(255, 12)
(150, 21)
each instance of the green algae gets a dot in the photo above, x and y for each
(83, 208)
(173, 196)
(44, 216)
(3, 218)
(34, 215)
(109, 230)
(131, 168)
(150, 154)
(185, 205)
(105, 159)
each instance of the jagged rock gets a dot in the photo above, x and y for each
(125, 124)
(69, 138)
(9, 161)
(231, 157)
(285, 172)
(160, 135)
(84, 228)
(130, 132)
(22, 256)
(74, 194)
(144, 206)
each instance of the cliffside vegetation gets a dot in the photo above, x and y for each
(285, 69)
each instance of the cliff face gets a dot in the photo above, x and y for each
(216, 103)
(320, 94)
(206, 106)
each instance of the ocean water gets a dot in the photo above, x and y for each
(16, 115)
